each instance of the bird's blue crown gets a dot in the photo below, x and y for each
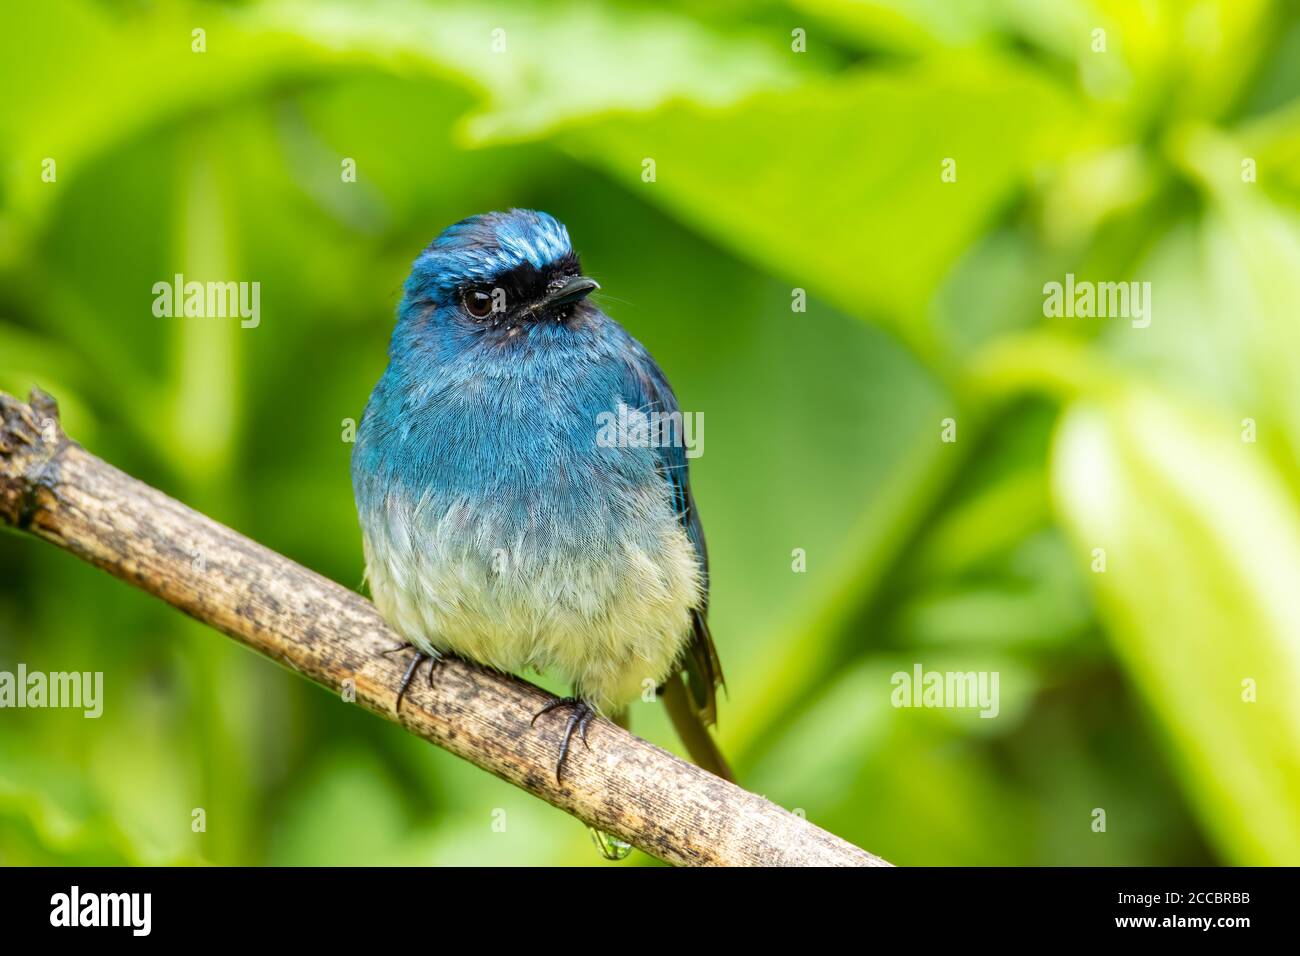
(486, 247)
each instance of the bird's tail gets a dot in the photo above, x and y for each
(690, 727)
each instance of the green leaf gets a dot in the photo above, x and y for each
(540, 81)
(837, 187)
(1201, 546)
(924, 25)
(533, 64)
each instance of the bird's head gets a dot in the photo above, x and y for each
(498, 271)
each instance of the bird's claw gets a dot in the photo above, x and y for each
(582, 714)
(420, 656)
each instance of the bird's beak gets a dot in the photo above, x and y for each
(571, 291)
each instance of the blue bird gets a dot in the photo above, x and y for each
(499, 521)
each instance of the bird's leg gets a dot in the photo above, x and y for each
(582, 714)
(420, 656)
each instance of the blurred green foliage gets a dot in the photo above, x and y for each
(774, 170)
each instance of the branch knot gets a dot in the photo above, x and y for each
(31, 441)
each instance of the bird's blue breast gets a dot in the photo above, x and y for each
(509, 429)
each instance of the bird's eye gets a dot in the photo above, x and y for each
(478, 303)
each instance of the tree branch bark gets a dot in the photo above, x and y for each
(51, 487)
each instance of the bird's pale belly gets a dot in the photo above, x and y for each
(608, 612)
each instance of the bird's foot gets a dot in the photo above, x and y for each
(420, 656)
(578, 720)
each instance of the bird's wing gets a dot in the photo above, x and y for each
(647, 389)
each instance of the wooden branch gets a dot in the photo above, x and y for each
(51, 487)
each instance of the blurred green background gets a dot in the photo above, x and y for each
(1165, 148)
